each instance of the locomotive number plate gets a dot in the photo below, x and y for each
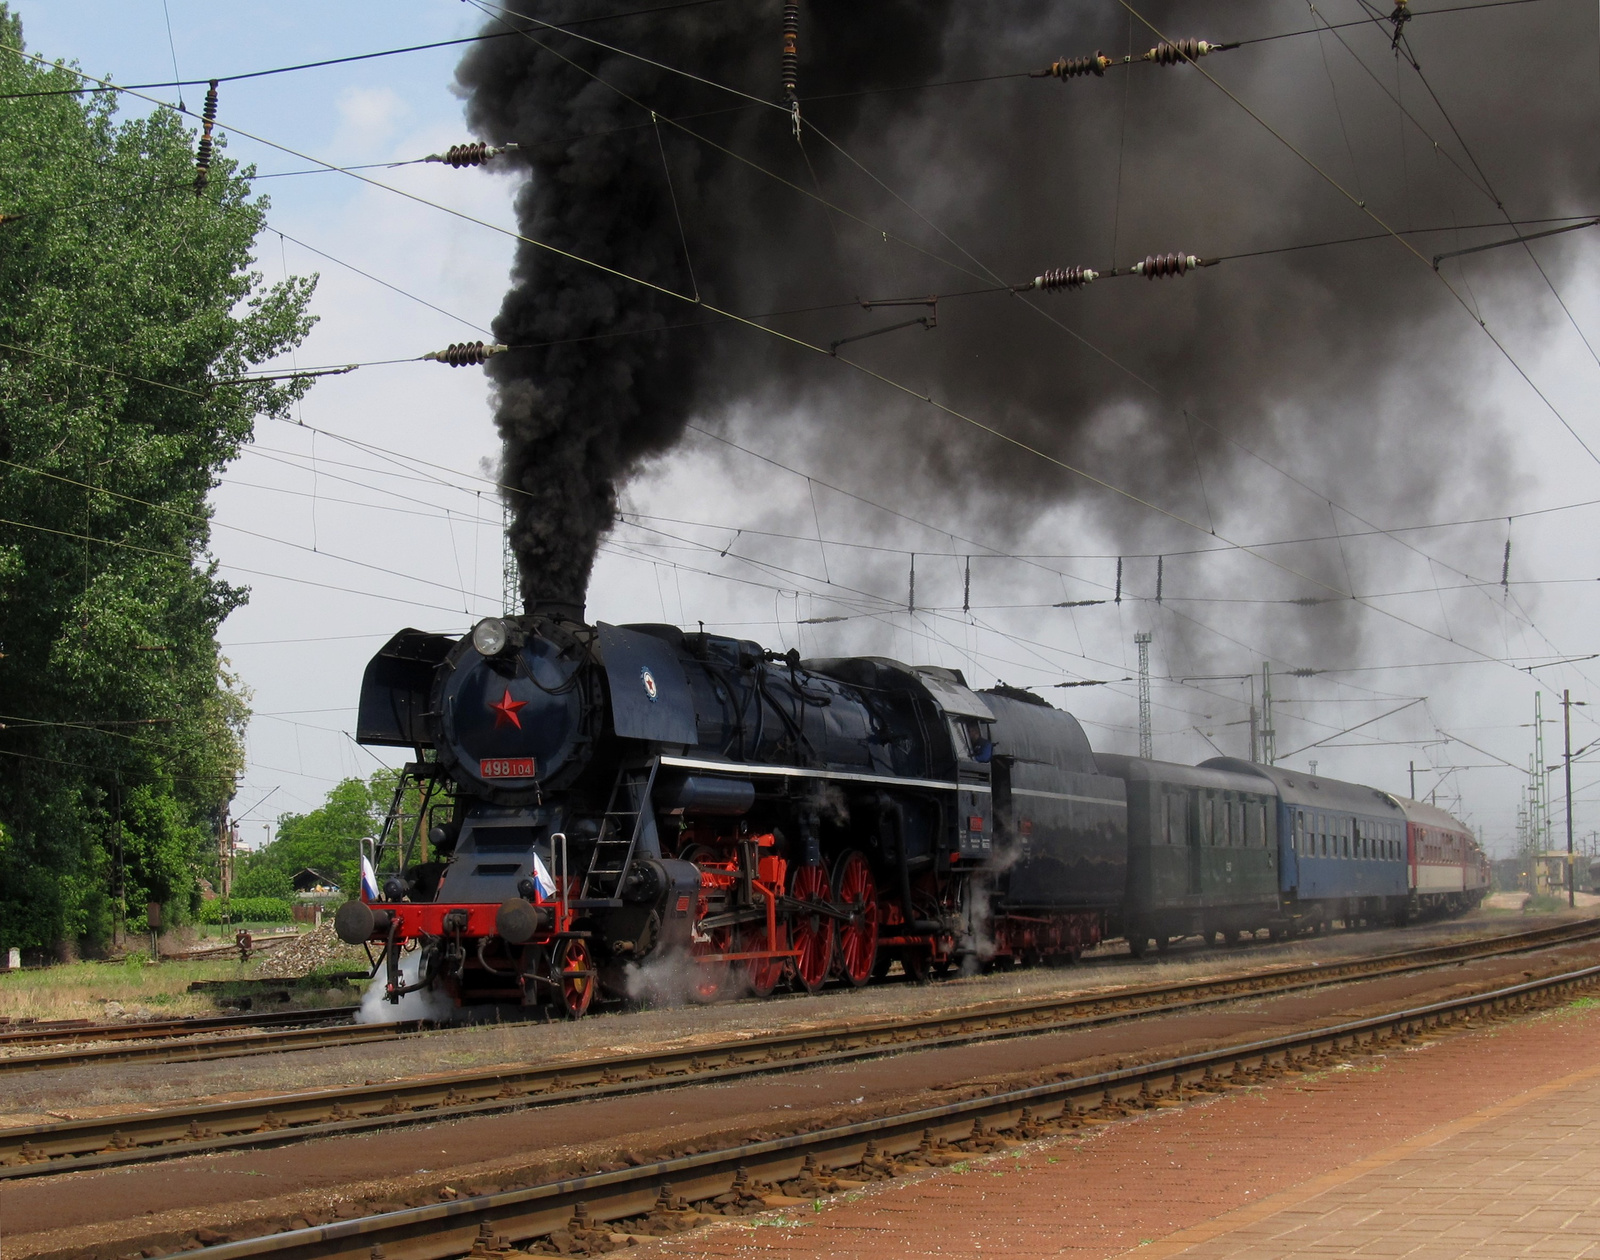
(506, 768)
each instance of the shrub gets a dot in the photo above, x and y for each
(247, 910)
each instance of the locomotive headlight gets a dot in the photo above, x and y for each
(490, 636)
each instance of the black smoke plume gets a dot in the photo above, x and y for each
(1353, 363)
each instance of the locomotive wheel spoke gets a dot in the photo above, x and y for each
(857, 892)
(711, 981)
(761, 975)
(574, 971)
(811, 933)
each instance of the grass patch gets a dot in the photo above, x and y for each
(1541, 903)
(141, 988)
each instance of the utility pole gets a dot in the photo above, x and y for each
(1146, 743)
(227, 837)
(510, 581)
(1566, 729)
(1255, 732)
(1413, 780)
(1269, 735)
(1541, 779)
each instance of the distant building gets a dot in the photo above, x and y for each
(310, 885)
(1544, 874)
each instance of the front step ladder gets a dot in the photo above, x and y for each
(619, 834)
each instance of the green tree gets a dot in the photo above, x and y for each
(127, 302)
(326, 839)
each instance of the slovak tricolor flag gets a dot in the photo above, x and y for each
(541, 879)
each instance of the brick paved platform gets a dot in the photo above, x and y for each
(1483, 1143)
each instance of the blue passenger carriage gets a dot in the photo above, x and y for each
(1341, 848)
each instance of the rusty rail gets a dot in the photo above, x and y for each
(487, 1224)
(271, 1120)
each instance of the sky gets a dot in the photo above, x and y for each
(374, 507)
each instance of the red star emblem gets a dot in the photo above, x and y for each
(505, 711)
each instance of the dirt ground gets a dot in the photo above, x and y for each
(1515, 900)
(257, 1191)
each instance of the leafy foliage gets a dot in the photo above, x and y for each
(247, 910)
(124, 299)
(327, 839)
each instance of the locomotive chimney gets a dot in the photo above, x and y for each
(557, 610)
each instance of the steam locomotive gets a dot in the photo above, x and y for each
(618, 809)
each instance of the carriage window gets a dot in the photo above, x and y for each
(1255, 825)
(1177, 820)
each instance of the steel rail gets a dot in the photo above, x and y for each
(278, 1119)
(485, 1224)
(202, 1049)
(41, 1034)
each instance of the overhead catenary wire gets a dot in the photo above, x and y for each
(367, 56)
(799, 342)
(1416, 66)
(752, 163)
(1399, 237)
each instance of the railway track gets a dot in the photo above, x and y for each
(158, 1040)
(160, 1044)
(200, 1049)
(671, 1195)
(75, 1031)
(71, 1145)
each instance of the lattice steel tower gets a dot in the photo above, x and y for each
(510, 578)
(1269, 732)
(1146, 745)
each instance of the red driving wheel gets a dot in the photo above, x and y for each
(710, 980)
(811, 933)
(857, 894)
(761, 975)
(574, 977)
